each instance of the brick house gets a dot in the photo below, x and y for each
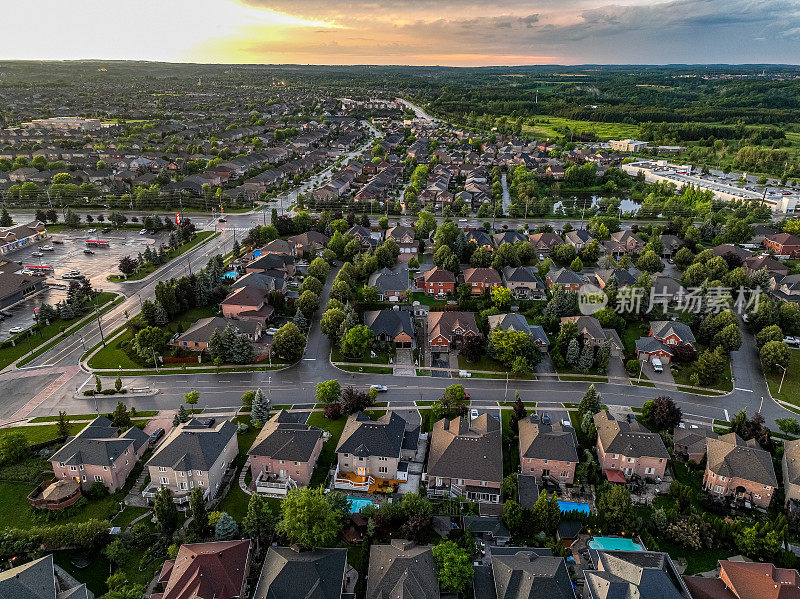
(739, 469)
(480, 280)
(100, 454)
(217, 569)
(404, 237)
(392, 326)
(626, 448)
(194, 454)
(284, 454)
(247, 303)
(665, 336)
(544, 243)
(436, 281)
(690, 442)
(746, 580)
(548, 452)
(524, 282)
(448, 330)
(783, 244)
(466, 459)
(564, 277)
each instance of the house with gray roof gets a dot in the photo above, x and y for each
(198, 336)
(523, 573)
(283, 455)
(41, 579)
(392, 283)
(465, 458)
(564, 277)
(372, 450)
(740, 470)
(627, 574)
(578, 239)
(402, 569)
(548, 452)
(100, 454)
(391, 326)
(690, 441)
(517, 322)
(591, 331)
(290, 572)
(622, 277)
(524, 282)
(193, 454)
(626, 448)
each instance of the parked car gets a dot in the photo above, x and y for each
(92, 231)
(15, 330)
(88, 251)
(379, 388)
(37, 254)
(546, 418)
(222, 220)
(107, 230)
(47, 248)
(142, 231)
(657, 365)
(164, 246)
(792, 341)
(58, 241)
(156, 435)
(473, 414)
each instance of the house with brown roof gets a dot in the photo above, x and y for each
(218, 569)
(630, 242)
(404, 238)
(247, 303)
(591, 331)
(466, 459)
(436, 281)
(545, 243)
(481, 280)
(310, 242)
(783, 244)
(19, 236)
(284, 455)
(755, 263)
(447, 330)
(746, 580)
(626, 448)
(548, 452)
(740, 470)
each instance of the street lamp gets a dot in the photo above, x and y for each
(782, 377)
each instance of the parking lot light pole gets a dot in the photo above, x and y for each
(782, 377)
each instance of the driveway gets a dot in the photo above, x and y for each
(616, 371)
(404, 362)
(658, 377)
(545, 371)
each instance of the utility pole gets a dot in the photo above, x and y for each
(155, 359)
(99, 325)
(189, 262)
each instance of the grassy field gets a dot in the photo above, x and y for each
(45, 432)
(790, 392)
(328, 455)
(546, 126)
(40, 340)
(683, 373)
(143, 272)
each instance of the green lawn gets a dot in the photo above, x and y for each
(426, 300)
(139, 414)
(380, 357)
(328, 455)
(235, 502)
(682, 375)
(45, 432)
(547, 126)
(94, 575)
(369, 369)
(171, 255)
(42, 340)
(492, 365)
(790, 392)
(634, 331)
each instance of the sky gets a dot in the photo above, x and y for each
(414, 32)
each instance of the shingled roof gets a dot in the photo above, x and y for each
(290, 441)
(365, 437)
(36, 580)
(526, 574)
(217, 569)
(733, 457)
(629, 574)
(288, 572)
(628, 439)
(547, 441)
(99, 444)
(193, 446)
(469, 449)
(402, 570)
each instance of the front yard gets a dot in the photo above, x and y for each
(790, 392)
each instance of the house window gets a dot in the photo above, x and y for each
(73, 468)
(280, 461)
(162, 468)
(81, 466)
(756, 496)
(382, 469)
(197, 472)
(98, 478)
(200, 483)
(183, 486)
(649, 470)
(460, 482)
(718, 489)
(615, 456)
(105, 468)
(182, 474)
(61, 464)
(164, 480)
(483, 483)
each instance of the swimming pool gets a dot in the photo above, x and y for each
(573, 506)
(615, 544)
(358, 503)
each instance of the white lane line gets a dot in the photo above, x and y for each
(740, 389)
(728, 418)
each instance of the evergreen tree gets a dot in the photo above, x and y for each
(259, 413)
(604, 356)
(226, 528)
(165, 511)
(176, 420)
(5, 218)
(183, 415)
(590, 402)
(259, 522)
(587, 358)
(62, 424)
(197, 505)
(161, 318)
(573, 353)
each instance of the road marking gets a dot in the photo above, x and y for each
(310, 359)
(728, 418)
(740, 389)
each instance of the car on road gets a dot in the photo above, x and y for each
(142, 231)
(58, 241)
(106, 230)
(15, 330)
(223, 220)
(92, 231)
(156, 435)
(473, 414)
(792, 341)
(546, 418)
(88, 251)
(37, 254)
(6, 313)
(379, 388)
(47, 248)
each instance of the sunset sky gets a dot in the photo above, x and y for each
(440, 32)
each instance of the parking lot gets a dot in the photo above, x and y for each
(69, 255)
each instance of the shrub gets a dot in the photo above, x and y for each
(89, 392)
(632, 366)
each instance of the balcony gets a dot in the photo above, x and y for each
(349, 481)
(272, 485)
(179, 497)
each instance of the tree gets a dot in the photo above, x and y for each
(472, 348)
(414, 504)
(165, 511)
(98, 384)
(514, 348)
(649, 262)
(182, 415)
(512, 515)
(118, 384)
(197, 505)
(308, 519)
(120, 416)
(226, 528)
(312, 284)
(72, 220)
(289, 343)
(259, 412)
(259, 522)
(573, 352)
(357, 341)
(453, 567)
(318, 269)
(683, 258)
(614, 504)
(770, 333)
(501, 297)
(709, 366)
(5, 218)
(191, 397)
(331, 323)
(247, 398)
(328, 391)
(586, 360)
(666, 415)
(13, 447)
(729, 338)
(62, 425)
(591, 402)
(576, 265)
(774, 355)
(308, 303)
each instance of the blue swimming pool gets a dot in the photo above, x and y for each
(573, 506)
(358, 503)
(615, 544)
(231, 274)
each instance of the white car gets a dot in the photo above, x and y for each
(37, 254)
(657, 365)
(793, 341)
(47, 248)
(15, 330)
(379, 388)
(92, 231)
(473, 414)
(142, 231)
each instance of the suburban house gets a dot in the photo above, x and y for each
(746, 580)
(448, 330)
(665, 336)
(404, 238)
(626, 449)
(783, 244)
(392, 283)
(791, 473)
(548, 452)
(284, 455)
(630, 242)
(523, 573)
(670, 244)
(517, 322)
(41, 579)
(100, 454)
(217, 569)
(667, 290)
(524, 282)
(564, 277)
(622, 277)
(466, 459)
(268, 262)
(733, 254)
(544, 243)
(391, 326)
(247, 303)
(481, 280)
(310, 242)
(617, 574)
(499, 239)
(436, 281)
(591, 331)
(197, 336)
(755, 263)
(690, 442)
(480, 238)
(290, 572)
(364, 236)
(194, 454)
(402, 569)
(265, 281)
(739, 469)
(373, 455)
(578, 239)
